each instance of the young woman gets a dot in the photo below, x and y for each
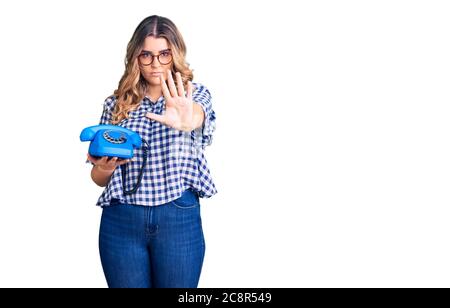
(152, 236)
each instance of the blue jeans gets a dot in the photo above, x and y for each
(158, 246)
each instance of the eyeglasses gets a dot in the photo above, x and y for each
(164, 57)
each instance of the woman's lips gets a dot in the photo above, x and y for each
(156, 74)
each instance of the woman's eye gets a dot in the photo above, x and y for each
(165, 54)
(145, 55)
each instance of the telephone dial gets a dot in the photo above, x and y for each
(115, 141)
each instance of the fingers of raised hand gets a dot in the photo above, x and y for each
(180, 85)
(164, 88)
(172, 87)
(189, 91)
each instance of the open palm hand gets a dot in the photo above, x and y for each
(179, 112)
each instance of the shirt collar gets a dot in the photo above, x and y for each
(154, 105)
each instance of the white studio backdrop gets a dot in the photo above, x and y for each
(330, 155)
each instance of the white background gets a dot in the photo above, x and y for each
(331, 154)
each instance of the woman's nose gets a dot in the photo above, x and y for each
(156, 64)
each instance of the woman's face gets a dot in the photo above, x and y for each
(152, 66)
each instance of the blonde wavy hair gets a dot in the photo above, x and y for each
(132, 85)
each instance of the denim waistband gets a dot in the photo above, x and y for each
(188, 196)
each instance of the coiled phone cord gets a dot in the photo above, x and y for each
(141, 172)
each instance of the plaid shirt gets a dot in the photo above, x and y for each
(175, 158)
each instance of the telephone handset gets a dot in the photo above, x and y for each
(116, 141)
(111, 140)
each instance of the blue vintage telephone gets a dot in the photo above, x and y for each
(111, 140)
(116, 141)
